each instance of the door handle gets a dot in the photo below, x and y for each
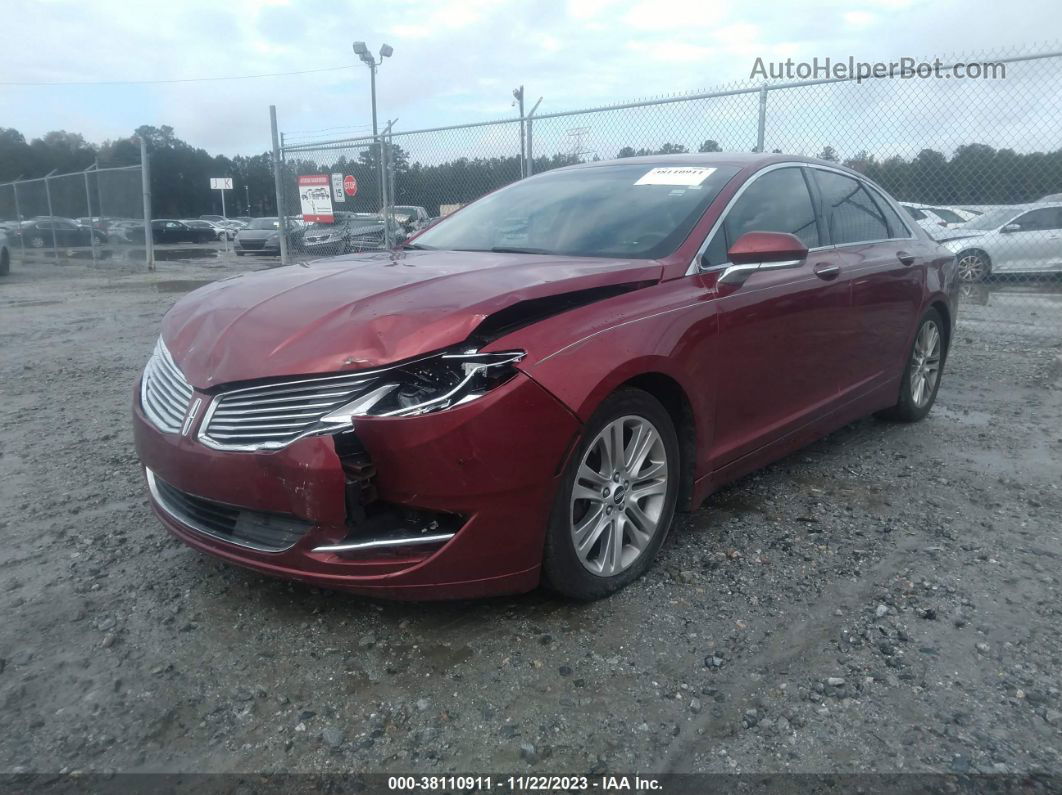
(905, 258)
(825, 270)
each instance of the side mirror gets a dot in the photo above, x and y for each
(1011, 228)
(755, 251)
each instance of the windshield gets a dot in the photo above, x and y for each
(264, 223)
(640, 211)
(993, 219)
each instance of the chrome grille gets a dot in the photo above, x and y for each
(164, 392)
(274, 415)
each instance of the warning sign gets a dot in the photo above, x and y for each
(316, 199)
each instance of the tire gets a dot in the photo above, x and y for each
(239, 253)
(36, 242)
(974, 265)
(914, 402)
(5, 262)
(597, 572)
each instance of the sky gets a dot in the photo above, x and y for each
(458, 60)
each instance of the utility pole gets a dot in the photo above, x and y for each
(145, 184)
(518, 93)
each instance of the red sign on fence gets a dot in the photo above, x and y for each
(350, 185)
(315, 197)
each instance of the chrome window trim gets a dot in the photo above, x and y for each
(695, 265)
(160, 501)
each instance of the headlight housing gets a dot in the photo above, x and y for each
(432, 384)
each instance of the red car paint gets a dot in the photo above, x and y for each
(761, 369)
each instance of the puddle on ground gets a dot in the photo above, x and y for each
(962, 416)
(162, 255)
(181, 285)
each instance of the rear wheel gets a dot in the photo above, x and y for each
(36, 242)
(974, 266)
(921, 378)
(617, 498)
(5, 262)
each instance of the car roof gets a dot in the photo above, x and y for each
(738, 159)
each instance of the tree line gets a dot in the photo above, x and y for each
(974, 173)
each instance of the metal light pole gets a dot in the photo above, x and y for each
(518, 94)
(247, 198)
(366, 58)
(145, 188)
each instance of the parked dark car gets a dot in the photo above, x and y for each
(527, 391)
(351, 232)
(40, 232)
(168, 230)
(261, 236)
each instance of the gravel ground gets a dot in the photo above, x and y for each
(885, 600)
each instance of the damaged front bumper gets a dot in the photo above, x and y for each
(449, 504)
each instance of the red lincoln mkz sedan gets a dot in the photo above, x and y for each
(527, 391)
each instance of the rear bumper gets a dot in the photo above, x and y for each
(495, 462)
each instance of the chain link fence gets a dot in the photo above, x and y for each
(93, 216)
(972, 147)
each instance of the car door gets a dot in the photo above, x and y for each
(1025, 244)
(781, 333)
(886, 268)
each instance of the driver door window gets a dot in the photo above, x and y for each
(778, 201)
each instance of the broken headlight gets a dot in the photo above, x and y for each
(432, 384)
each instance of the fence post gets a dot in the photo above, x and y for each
(529, 158)
(18, 216)
(761, 126)
(51, 215)
(278, 186)
(99, 186)
(145, 184)
(92, 226)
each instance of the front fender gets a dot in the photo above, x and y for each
(668, 329)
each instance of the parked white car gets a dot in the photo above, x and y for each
(1025, 238)
(932, 218)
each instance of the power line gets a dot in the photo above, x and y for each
(173, 80)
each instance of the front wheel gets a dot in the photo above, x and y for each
(617, 498)
(973, 266)
(921, 377)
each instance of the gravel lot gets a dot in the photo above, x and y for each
(886, 600)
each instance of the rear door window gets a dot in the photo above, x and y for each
(850, 213)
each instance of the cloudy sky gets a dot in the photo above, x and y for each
(454, 60)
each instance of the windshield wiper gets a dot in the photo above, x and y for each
(518, 250)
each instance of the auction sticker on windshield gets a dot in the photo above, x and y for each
(687, 176)
(316, 199)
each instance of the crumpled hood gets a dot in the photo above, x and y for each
(364, 311)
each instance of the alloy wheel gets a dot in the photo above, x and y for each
(972, 268)
(619, 495)
(925, 363)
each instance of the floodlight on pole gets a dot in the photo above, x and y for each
(362, 51)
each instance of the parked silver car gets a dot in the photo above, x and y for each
(1025, 238)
